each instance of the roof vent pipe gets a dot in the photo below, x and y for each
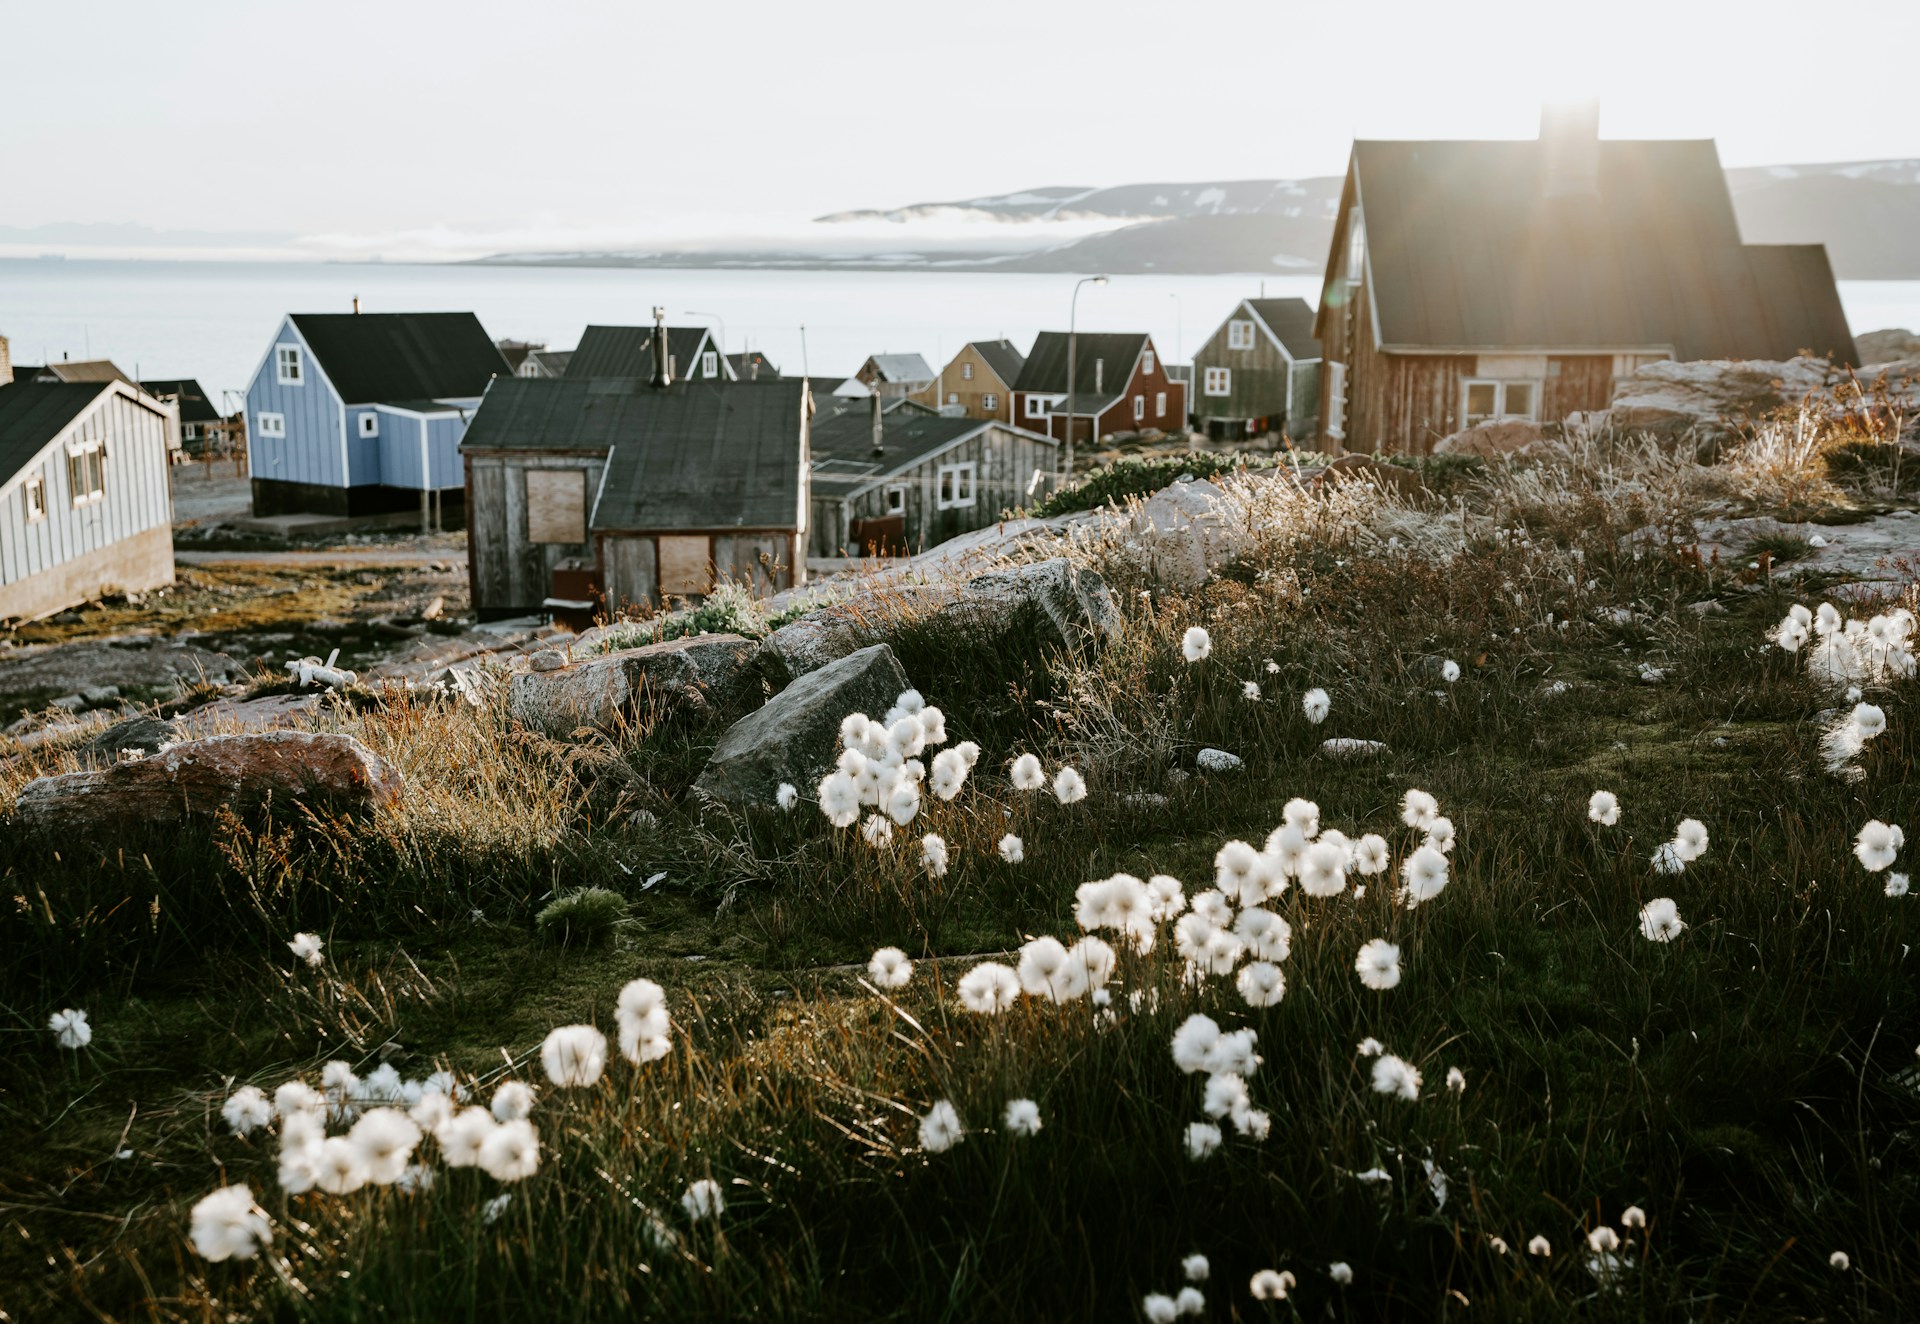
(879, 426)
(662, 365)
(356, 304)
(1570, 148)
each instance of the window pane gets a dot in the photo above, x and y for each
(1520, 399)
(1481, 400)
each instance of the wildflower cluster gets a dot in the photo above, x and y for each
(1849, 652)
(880, 768)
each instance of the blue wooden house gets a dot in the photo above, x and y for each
(362, 413)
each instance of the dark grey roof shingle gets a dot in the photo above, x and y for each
(1002, 357)
(371, 357)
(1046, 366)
(186, 392)
(1291, 321)
(33, 413)
(627, 351)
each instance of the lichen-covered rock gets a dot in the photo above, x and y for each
(198, 777)
(604, 692)
(795, 735)
(134, 736)
(1076, 606)
(1669, 398)
(272, 712)
(1349, 748)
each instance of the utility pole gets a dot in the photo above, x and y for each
(1073, 315)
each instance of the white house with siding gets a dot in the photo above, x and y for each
(85, 506)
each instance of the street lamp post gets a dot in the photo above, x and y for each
(723, 335)
(1073, 313)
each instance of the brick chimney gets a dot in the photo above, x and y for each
(1570, 148)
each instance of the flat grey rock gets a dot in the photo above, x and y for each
(603, 692)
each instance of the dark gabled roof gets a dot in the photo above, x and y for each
(695, 455)
(370, 357)
(515, 351)
(33, 414)
(900, 368)
(84, 370)
(552, 361)
(743, 364)
(1002, 357)
(842, 446)
(186, 392)
(1046, 366)
(1291, 321)
(1466, 251)
(627, 351)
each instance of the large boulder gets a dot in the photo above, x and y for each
(1878, 347)
(200, 776)
(271, 712)
(1185, 533)
(136, 736)
(126, 665)
(1712, 397)
(1488, 440)
(794, 736)
(607, 691)
(1075, 606)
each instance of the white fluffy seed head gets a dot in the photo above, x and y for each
(1660, 920)
(1316, 705)
(573, 1056)
(1603, 807)
(1378, 965)
(940, 1129)
(1418, 810)
(1068, 786)
(1196, 644)
(1027, 774)
(1396, 1077)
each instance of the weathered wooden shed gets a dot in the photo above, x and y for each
(929, 478)
(1478, 281)
(1259, 372)
(85, 506)
(661, 491)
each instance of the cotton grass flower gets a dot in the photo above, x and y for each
(1027, 774)
(1159, 1308)
(1316, 705)
(1193, 1041)
(574, 1056)
(1418, 810)
(1165, 896)
(989, 988)
(877, 831)
(1897, 884)
(1196, 644)
(646, 1028)
(1370, 1047)
(1370, 854)
(1449, 671)
(1202, 1139)
(306, 947)
(787, 796)
(1069, 787)
(1250, 691)
(1877, 845)
(1340, 1271)
(1022, 1118)
(433, 1111)
(1440, 835)
(1012, 850)
(1603, 1240)
(704, 1199)
(890, 968)
(1224, 1094)
(1378, 965)
(1540, 1246)
(1603, 807)
(1633, 1216)
(70, 1028)
(840, 799)
(1690, 839)
(950, 769)
(1269, 1285)
(247, 1110)
(1425, 875)
(1839, 1261)
(228, 1225)
(1262, 984)
(511, 1152)
(512, 1101)
(1196, 1267)
(933, 855)
(940, 1129)
(296, 1096)
(1396, 1076)
(341, 1169)
(1189, 1301)
(385, 1139)
(1323, 869)
(1266, 935)
(1660, 920)
(1042, 967)
(462, 1137)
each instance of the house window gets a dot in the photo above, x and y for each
(557, 506)
(710, 364)
(1219, 381)
(1239, 335)
(1139, 408)
(1336, 400)
(954, 486)
(273, 425)
(1356, 246)
(1159, 404)
(1146, 362)
(966, 372)
(989, 401)
(953, 397)
(1036, 407)
(87, 474)
(287, 368)
(1491, 401)
(897, 499)
(35, 492)
(369, 425)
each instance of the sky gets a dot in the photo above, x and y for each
(408, 125)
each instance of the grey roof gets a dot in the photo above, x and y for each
(371, 357)
(1291, 321)
(553, 362)
(186, 392)
(1466, 251)
(1002, 357)
(515, 351)
(83, 370)
(696, 455)
(1046, 366)
(843, 458)
(627, 351)
(744, 361)
(34, 413)
(900, 368)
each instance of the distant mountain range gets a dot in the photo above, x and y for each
(1867, 213)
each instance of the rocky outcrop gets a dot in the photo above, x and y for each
(272, 712)
(607, 691)
(201, 776)
(1710, 397)
(135, 737)
(1488, 440)
(794, 736)
(1076, 607)
(126, 665)
(1185, 533)
(1877, 347)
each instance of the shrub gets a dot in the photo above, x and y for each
(581, 918)
(1143, 477)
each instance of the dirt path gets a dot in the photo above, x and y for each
(347, 556)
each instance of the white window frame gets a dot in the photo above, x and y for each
(1337, 400)
(710, 364)
(1139, 408)
(1036, 407)
(953, 397)
(966, 372)
(1146, 361)
(1217, 382)
(369, 424)
(954, 486)
(289, 366)
(92, 468)
(989, 401)
(1159, 404)
(1240, 334)
(896, 498)
(1356, 247)
(1502, 413)
(34, 493)
(272, 424)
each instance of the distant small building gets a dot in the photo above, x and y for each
(1259, 372)
(200, 422)
(1473, 282)
(921, 480)
(362, 413)
(978, 383)
(84, 370)
(627, 351)
(751, 365)
(891, 375)
(657, 491)
(1121, 386)
(515, 352)
(85, 506)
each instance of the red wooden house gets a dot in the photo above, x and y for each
(1121, 386)
(1479, 281)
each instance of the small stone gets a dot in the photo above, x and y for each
(547, 659)
(99, 694)
(1218, 760)
(1347, 747)
(1708, 607)
(1652, 675)
(73, 703)
(1145, 800)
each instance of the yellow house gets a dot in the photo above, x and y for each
(979, 381)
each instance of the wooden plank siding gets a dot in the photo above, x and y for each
(690, 562)
(509, 574)
(1005, 461)
(1257, 377)
(970, 393)
(138, 438)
